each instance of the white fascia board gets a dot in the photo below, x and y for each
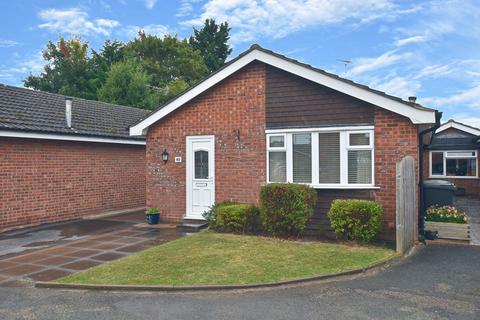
(64, 137)
(417, 116)
(458, 126)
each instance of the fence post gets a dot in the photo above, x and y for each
(406, 204)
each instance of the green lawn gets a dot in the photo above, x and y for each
(212, 258)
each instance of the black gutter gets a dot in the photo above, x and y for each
(421, 209)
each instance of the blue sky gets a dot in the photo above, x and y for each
(430, 49)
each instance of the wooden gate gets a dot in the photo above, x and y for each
(406, 218)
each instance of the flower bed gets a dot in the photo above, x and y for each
(450, 222)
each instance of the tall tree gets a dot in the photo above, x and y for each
(168, 61)
(100, 62)
(212, 42)
(127, 84)
(66, 71)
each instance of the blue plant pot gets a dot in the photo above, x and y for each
(153, 218)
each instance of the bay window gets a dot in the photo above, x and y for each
(323, 158)
(453, 164)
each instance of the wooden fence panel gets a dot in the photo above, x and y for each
(406, 218)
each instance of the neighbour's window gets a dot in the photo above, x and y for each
(437, 163)
(321, 159)
(453, 163)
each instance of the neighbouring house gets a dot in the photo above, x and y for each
(453, 155)
(66, 158)
(266, 118)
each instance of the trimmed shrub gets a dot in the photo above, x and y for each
(232, 217)
(353, 219)
(285, 208)
(237, 217)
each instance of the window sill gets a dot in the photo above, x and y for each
(352, 187)
(451, 177)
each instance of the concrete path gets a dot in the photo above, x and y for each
(471, 205)
(440, 282)
(54, 251)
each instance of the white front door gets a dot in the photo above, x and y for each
(200, 175)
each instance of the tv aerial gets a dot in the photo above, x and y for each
(345, 63)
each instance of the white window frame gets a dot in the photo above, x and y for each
(344, 148)
(445, 157)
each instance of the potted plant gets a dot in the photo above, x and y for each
(431, 234)
(152, 215)
(450, 222)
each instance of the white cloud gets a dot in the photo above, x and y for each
(414, 39)
(32, 63)
(75, 21)
(150, 4)
(434, 71)
(388, 58)
(153, 29)
(186, 7)
(469, 97)
(252, 19)
(8, 43)
(397, 86)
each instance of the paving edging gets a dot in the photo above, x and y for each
(173, 288)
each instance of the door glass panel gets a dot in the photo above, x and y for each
(201, 164)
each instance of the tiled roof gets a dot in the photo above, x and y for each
(23, 109)
(258, 47)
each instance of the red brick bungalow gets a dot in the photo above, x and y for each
(63, 159)
(267, 118)
(453, 155)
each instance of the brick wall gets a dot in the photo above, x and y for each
(395, 138)
(237, 103)
(47, 181)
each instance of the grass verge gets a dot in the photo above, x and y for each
(210, 258)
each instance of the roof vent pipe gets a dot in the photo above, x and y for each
(68, 111)
(412, 99)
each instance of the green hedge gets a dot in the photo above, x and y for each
(232, 217)
(354, 219)
(285, 208)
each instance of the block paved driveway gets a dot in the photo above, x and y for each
(440, 282)
(51, 252)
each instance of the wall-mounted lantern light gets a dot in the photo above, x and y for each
(165, 156)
